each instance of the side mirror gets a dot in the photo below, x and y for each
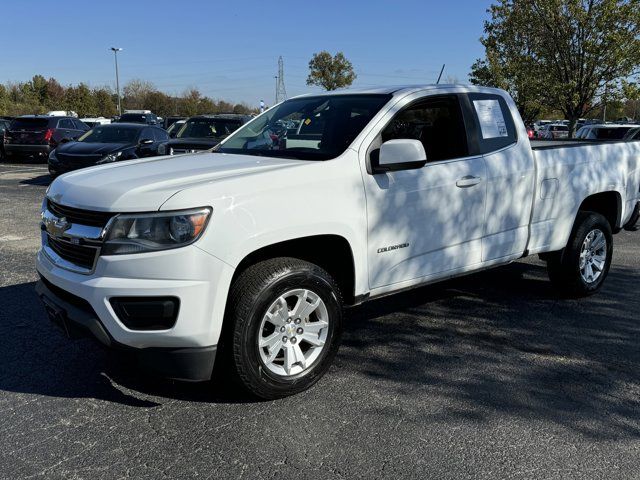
(400, 154)
(146, 141)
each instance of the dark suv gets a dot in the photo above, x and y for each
(148, 118)
(37, 135)
(203, 132)
(4, 125)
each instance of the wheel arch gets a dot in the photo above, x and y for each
(330, 252)
(608, 204)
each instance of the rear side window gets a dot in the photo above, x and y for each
(80, 125)
(437, 122)
(494, 123)
(66, 123)
(611, 133)
(160, 135)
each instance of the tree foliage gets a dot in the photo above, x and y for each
(40, 95)
(560, 54)
(330, 72)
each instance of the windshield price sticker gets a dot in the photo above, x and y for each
(491, 119)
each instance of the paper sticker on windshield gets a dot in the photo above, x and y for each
(491, 119)
(307, 121)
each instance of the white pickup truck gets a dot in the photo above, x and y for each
(250, 252)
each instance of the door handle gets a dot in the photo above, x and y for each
(468, 181)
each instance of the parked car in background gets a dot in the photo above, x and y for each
(93, 121)
(138, 116)
(633, 134)
(37, 135)
(554, 131)
(538, 125)
(175, 128)
(105, 144)
(609, 131)
(531, 133)
(4, 125)
(62, 113)
(203, 132)
(171, 120)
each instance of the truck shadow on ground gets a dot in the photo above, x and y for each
(493, 342)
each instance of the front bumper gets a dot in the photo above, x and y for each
(77, 319)
(200, 281)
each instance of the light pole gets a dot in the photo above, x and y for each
(276, 77)
(115, 55)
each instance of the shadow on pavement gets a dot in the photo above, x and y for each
(494, 342)
(40, 180)
(500, 341)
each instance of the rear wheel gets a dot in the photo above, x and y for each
(285, 324)
(581, 268)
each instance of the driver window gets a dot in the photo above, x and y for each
(437, 122)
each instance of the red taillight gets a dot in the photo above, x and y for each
(48, 134)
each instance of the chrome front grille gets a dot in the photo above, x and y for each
(79, 216)
(72, 237)
(79, 255)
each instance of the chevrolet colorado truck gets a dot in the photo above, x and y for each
(247, 254)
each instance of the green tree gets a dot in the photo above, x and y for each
(104, 102)
(570, 49)
(330, 72)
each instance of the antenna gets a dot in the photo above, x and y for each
(440, 76)
(281, 92)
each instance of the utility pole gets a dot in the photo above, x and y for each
(281, 92)
(604, 109)
(115, 55)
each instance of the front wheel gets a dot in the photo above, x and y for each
(581, 268)
(285, 324)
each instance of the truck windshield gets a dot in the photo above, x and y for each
(308, 128)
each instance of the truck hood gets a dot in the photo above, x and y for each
(144, 185)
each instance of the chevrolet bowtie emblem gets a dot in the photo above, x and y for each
(56, 226)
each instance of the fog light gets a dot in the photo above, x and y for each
(146, 313)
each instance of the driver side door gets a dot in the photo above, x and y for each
(428, 222)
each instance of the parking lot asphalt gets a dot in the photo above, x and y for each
(488, 376)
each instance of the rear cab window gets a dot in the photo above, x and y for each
(493, 125)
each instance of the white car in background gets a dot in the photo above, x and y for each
(554, 131)
(609, 131)
(93, 121)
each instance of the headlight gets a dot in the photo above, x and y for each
(112, 157)
(162, 149)
(151, 232)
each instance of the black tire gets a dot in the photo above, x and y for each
(251, 294)
(564, 266)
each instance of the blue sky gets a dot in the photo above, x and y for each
(230, 49)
